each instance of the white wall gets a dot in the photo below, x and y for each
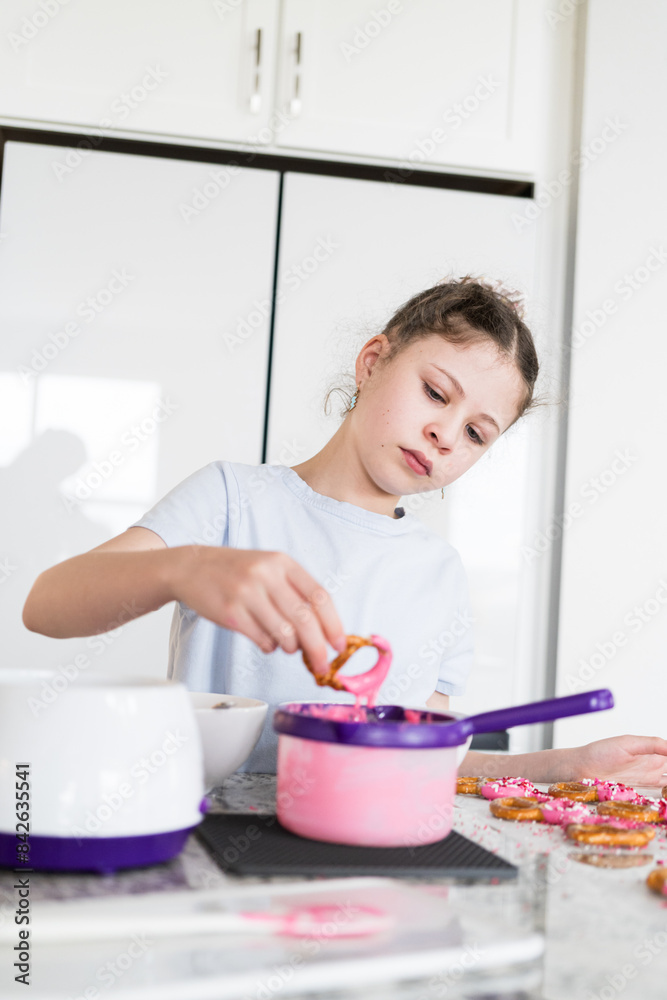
(613, 623)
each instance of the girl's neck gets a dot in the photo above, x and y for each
(337, 472)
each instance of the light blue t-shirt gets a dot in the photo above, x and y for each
(389, 576)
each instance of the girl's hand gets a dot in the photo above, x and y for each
(266, 596)
(636, 760)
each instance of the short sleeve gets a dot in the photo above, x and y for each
(456, 641)
(195, 512)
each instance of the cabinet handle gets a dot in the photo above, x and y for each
(256, 96)
(295, 101)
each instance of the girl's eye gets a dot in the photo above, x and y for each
(437, 398)
(473, 435)
(432, 394)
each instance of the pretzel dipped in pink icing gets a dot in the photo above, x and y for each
(563, 811)
(517, 788)
(617, 791)
(360, 685)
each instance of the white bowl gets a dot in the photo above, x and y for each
(228, 735)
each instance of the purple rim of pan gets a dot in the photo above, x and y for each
(394, 726)
(98, 854)
(388, 727)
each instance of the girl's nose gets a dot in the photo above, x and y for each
(442, 435)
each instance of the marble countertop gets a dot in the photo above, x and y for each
(605, 933)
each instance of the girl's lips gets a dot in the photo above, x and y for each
(421, 468)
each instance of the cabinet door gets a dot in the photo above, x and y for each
(613, 596)
(351, 252)
(134, 351)
(162, 66)
(438, 81)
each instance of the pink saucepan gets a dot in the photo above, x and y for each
(386, 776)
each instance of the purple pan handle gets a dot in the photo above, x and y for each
(541, 711)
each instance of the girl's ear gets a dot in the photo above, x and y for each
(367, 358)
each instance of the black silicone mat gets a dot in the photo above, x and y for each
(248, 844)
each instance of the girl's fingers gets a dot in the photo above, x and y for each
(318, 600)
(274, 621)
(245, 623)
(302, 628)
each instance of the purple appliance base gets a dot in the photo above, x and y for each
(98, 854)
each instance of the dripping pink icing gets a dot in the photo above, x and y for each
(369, 683)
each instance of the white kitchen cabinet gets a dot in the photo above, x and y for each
(613, 617)
(121, 311)
(434, 81)
(351, 252)
(153, 66)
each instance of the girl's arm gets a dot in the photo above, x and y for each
(91, 593)
(638, 760)
(267, 596)
(438, 701)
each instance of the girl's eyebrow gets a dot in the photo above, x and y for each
(460, 390)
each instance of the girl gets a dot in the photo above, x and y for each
(253, 555)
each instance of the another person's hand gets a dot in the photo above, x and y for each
(636, 760)
(266, 596)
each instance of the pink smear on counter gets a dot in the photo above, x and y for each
(325, 921)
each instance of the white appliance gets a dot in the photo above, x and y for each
(96, 772)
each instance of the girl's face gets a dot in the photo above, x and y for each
(424, 418)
